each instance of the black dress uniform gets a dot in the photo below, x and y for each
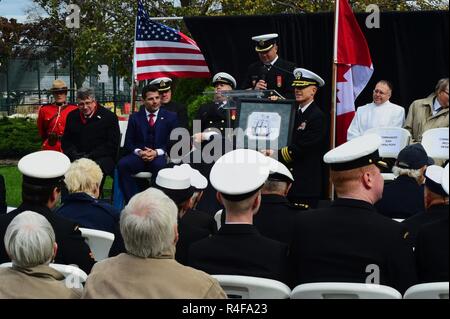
(193, 226)
(71, 246)
(432, 252)
(336, 244)
(276, 216)
(304, 156)
(277, 76)
(402, 198)
(239, 249)
(181, 111)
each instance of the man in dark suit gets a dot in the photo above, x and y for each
(238, 248)
(403, 197)
(43, 175)
(350, 241)
(164, 85)
(92, 132)
(276, 215)
(436, 203)
(304, 155)
(270, 72)
(147, 140)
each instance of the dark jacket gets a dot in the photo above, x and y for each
(3, 206)
(432, 214)
(279, 77)
(432, 251)
(96, 138)
(346, 242)
(89, 212)
(275, 218)
(71, 246)
(402, 198)
(181, 111)
(193, 226)
(239, 249)
(305, 152)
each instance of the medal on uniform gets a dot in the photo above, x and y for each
(233, 114)
(279, 81)
(302, 126)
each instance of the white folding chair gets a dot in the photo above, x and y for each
(10, 209)
(344, 290)
(99, 241)
(218, 218)
(76, 273)
(394, 139)
(246, 287)
(435, 143)
(123, 130)
(432, 290)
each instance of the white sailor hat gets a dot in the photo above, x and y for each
(176, 184)
(279, 172)
(359, 152)
(433, 179)
(198, 181)
(445, 179)
(44, 167)
(223, 77)
(239, 174)
(265, 42)
(163, 84)
(304, 78)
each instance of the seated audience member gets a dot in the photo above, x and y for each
(181, 183)
(432, 247)
(343, 243)
(275, 217)
(148, 269)
(82, 205)
(3, 206)
(238, 248)
(436, 203)
(146, 141)
(30, 242)
(92, 132)
(430, 112)
(380, 113)
(403, 197)
(43, 177)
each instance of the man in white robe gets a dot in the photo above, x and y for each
(380, 113)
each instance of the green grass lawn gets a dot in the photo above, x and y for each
(13, 181)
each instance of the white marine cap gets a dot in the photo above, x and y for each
(265, 42)
(433, 179)
(198, 181)
(42, 166)
(223, 77)
(162, 83)
(359, 152)
(239, 174)
(304, 78)
(279, 171)
(445, 179)
(176, 184)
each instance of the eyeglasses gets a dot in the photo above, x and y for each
(379, 92)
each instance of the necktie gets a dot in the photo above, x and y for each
(151, 120)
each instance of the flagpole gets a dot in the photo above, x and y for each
(333, 90)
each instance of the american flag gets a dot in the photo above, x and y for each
(161, 51)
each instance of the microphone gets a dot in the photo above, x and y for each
(263, 70)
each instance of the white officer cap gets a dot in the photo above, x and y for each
(279, 172)
(359, 152)
(304, 78)
(239, 174)
(445, 179)
(433, 179)
(175, 183)
(226, 78)
(163, 83)
(197, 180)
(265, 42)
(44, 167)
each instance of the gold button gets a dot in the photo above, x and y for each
(223, 121)
(210, 122)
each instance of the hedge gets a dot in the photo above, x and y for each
(18, 137)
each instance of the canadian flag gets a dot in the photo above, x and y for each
(354, 67)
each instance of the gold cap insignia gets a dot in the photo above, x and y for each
(162, 84)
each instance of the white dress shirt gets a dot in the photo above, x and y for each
(371, 115)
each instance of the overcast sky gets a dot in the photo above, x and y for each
(15, 9)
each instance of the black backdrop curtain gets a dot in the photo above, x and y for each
(410, 49)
